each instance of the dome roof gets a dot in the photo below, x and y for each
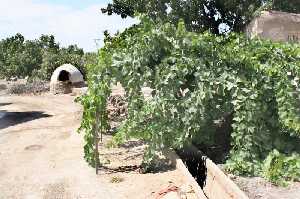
(75, 74)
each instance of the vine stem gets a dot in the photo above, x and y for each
(96, 141)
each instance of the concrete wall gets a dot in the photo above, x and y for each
(277, 26)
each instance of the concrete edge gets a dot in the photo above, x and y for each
(219, 185)
(188, 177)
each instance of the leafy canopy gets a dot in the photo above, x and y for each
(38, 58)
(201, 15)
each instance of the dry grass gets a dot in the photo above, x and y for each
(116, 179)
(36, 87)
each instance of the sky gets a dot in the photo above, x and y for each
(70, 21)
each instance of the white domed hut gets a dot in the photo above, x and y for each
(64, 78)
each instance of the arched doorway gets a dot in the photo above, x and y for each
(64, 76)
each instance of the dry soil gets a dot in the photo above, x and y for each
(41, 155)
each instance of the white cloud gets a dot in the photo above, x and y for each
(69, 25)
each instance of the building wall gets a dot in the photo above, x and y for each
(277, 26)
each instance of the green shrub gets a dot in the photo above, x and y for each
(279, 168)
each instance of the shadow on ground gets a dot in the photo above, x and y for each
(13, 118)
(3, 87)
(5, 104)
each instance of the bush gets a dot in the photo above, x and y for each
(279, 168)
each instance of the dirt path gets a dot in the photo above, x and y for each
(41, 155)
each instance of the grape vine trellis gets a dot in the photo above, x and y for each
(197, 78)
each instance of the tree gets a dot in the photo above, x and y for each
(286, 5)
(52, 59)
(30, 58)
(200, 15)
(36, 58)
(11, 48)
(72, 55)
(48, 42)
(50, 62)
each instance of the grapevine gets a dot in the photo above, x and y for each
(196, 79)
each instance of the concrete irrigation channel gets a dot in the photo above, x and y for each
(206, 178)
